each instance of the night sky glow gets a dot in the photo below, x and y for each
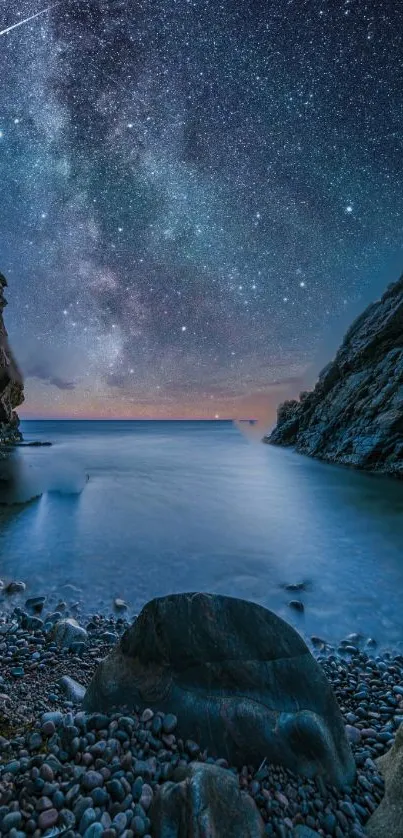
(194, 195)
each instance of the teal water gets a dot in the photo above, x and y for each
(175, 506)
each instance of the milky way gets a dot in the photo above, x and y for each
(194, 196)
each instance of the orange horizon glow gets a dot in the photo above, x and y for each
(257, 408)
(43, 402)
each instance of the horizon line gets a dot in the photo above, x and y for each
(136, 419)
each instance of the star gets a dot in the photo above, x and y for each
(200, 195)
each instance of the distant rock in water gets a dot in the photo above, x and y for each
(354, 416)
(11, 383)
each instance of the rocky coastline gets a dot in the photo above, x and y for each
(354, 415)
(208, 715)
(11, 383)
(72, 772)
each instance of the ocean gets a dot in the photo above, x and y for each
(138, 509)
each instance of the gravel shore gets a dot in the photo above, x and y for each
(63, 772)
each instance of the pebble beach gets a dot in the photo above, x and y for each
(63, 772)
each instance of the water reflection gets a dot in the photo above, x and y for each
(193, 506)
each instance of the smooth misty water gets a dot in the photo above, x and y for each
(175, 506)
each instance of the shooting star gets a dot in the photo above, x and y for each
(27, 19)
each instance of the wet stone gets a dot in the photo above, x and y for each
(48, 818)
(169, 723)
(91, 780)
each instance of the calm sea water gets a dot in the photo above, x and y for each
(176, 506)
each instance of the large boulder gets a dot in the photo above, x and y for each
(387, 819)
(241, 681)
(205, 801)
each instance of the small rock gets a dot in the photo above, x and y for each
(119, 822)
(146, 797)
(138, 826)
(192, 748)
(295, 586)
(109, 637)
(33, 623)
(35, 741)
(46, 773)
(354, 638)
(353, 734)
(347, 809)
(95, 830)
(100, 796)
(296, 604)
(48, 728)
(67, 631)
(169, 723)
(120, 604)
(116, 790)
(92, 780)
(73, 690)
(54, 716)
(43, 804)
(15, 587)
(35, 602)
(48, 818)
(17, 671)
(106, 820)
(88, 818)
(11, 821)
(317, 641)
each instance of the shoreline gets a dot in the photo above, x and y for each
(38, 703)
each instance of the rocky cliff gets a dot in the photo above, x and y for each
(354, 415)
(11, 383)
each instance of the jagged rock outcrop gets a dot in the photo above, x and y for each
(354, 415)
(11, 383)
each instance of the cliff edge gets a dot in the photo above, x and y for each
(354, 415)
(11, 382)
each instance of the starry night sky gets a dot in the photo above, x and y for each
(197, 196)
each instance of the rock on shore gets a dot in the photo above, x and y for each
(242, 681)
(354, 415)
(388, 817)
(11, 383)
(207, 798)
(63, 771)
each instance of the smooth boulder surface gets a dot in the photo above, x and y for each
(205, 801)
(387, 819)
(354, 415)
(241, 681)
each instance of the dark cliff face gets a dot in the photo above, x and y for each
(354, 415)
(11, 383)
